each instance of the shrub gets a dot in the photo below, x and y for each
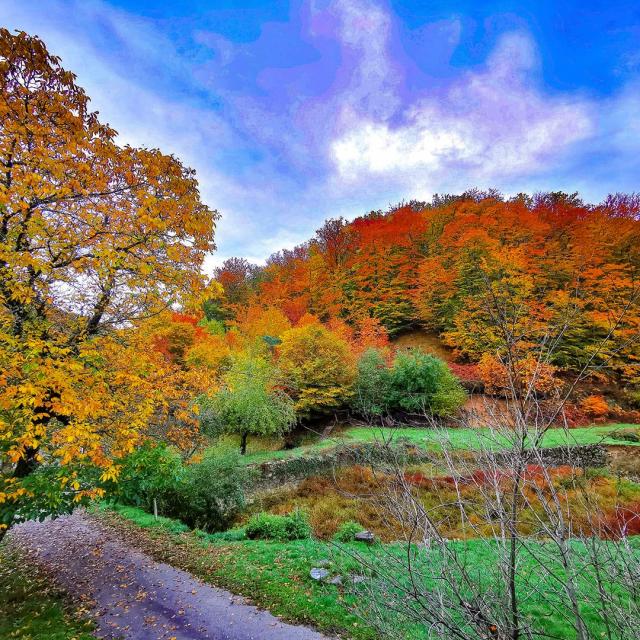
(420, 382)
(372, 384)
(347, 531)
(594, 406)
(212, 492)
(267, 526)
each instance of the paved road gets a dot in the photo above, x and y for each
(137, 598)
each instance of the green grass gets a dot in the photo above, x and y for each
(30, 608)
(275, 575)
(466, 439)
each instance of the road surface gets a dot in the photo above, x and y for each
(134, 597)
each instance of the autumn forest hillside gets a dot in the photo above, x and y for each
(554, 268)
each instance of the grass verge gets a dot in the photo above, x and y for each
(274, 575)
(30, 608)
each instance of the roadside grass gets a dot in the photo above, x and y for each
(426, 438)
(275, 575)
(30, 608)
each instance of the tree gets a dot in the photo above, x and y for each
(94, 237)
(372, 384)
(421, 383)
(249, 403)
(318, 367)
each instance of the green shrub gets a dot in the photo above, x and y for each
(372, 384)
(347, 531)
(212, 492)
(206, 495)
(267, 526)
(422, 383)
(153, 471)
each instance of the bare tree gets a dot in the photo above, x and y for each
(536, 556)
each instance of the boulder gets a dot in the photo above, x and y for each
(364, 536)
(318, 573)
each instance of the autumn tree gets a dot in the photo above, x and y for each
(94, 237)
(318, 367)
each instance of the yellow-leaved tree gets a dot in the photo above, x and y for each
(94, 238)
(318, 367)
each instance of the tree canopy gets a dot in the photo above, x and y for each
(94, 238)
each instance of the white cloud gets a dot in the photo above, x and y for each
(491, 124)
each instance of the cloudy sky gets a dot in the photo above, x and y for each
(295, 111)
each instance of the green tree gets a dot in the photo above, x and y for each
(150, 477)
(372, 384)
(248, 403)
(419, 382)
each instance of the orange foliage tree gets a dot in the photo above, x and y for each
(94, 237)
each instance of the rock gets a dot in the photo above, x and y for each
(317, 573)
(337, 580)
(356, 579)
(364, 536)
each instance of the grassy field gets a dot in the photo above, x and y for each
(30, 608)
(275, 575)
(469, 439)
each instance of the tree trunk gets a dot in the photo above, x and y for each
(24, 467)
(155, 508)
(243, 443)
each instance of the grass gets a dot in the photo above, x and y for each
(30, 608)
(465, 439)
(275, 575)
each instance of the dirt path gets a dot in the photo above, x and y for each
(135, 597)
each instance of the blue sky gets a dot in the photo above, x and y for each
(292, 112)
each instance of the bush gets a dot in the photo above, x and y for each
(206, 495)
(372, 384)
(153, 471)
(595, 406)
(347, 531)
(212, 493)
(626, 435)
(419, 382)
(266, 526)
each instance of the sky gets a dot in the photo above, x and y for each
(293, 112)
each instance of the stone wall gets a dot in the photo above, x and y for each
(279, 472)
